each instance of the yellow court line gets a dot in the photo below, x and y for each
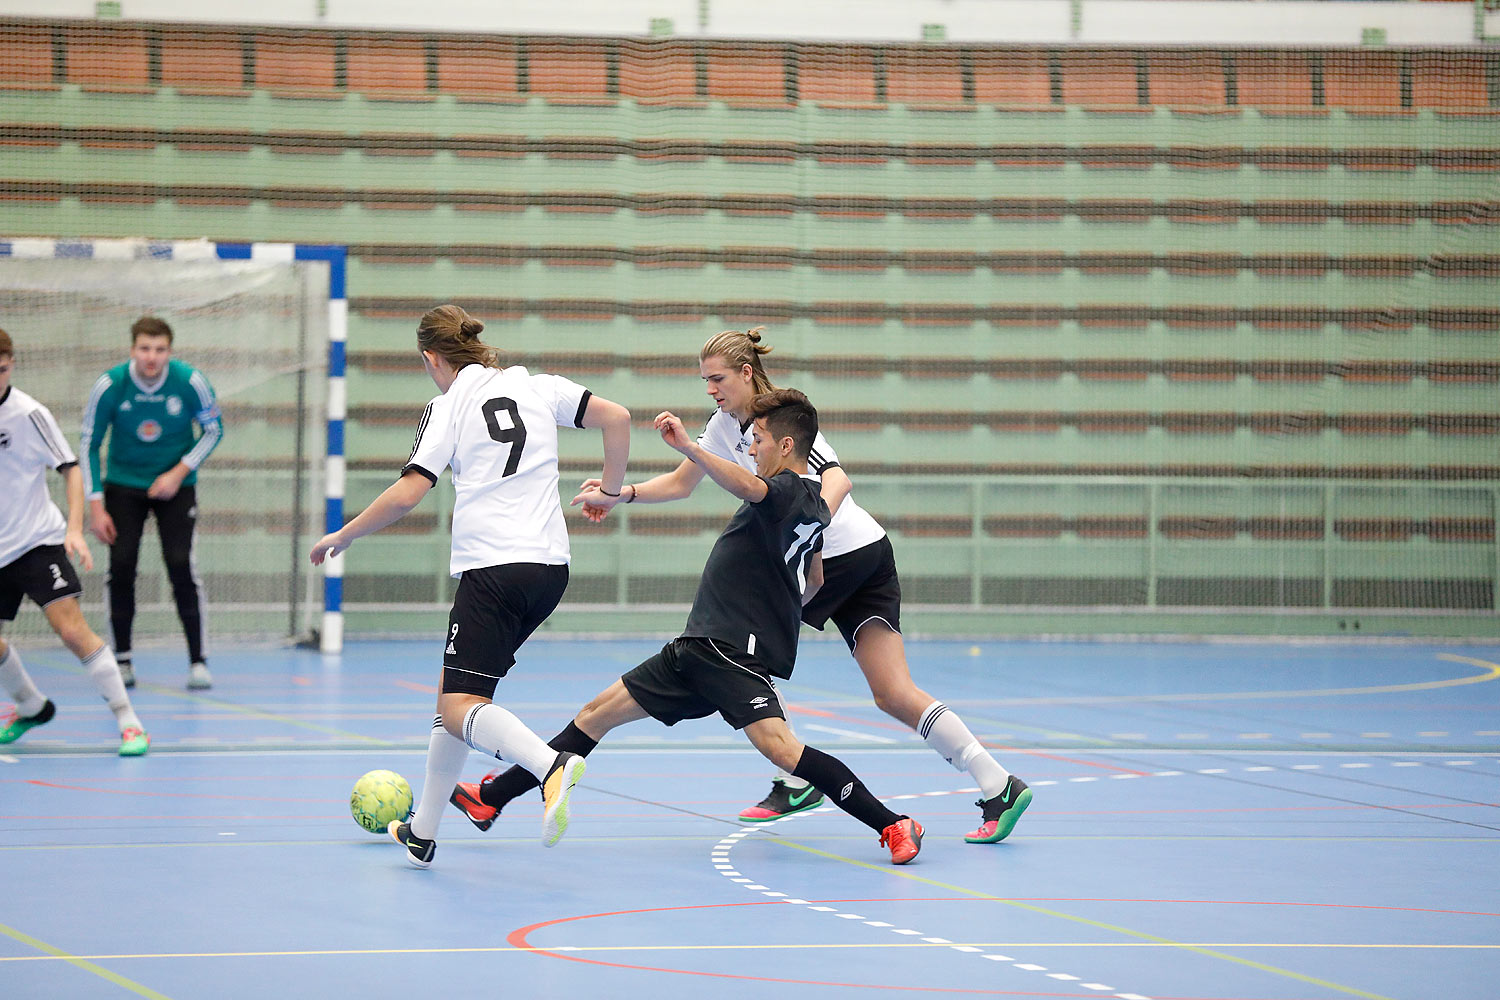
(1491, 671)
(256, 713)
(1113, 928)
(499, 842)
(253, 713)
(886, 945)
(58, 954)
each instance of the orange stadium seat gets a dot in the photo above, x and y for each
(658, 70)
(1450, 81)
(388, 66)
(836, 74)
(478, 69)
(26, 56)
(295, 64)
(924, 76)
(1012, 78)
(203, 61)
(568, 70)
(1101, 81)
(109, 58)
(1362, 81)
(1187, 80)
(750, 74)
(1275, 81)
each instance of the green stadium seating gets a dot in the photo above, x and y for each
(1064, 309)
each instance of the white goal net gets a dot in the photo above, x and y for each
(258, 330)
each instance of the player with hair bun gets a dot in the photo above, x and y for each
(496, 428)
(741, 633)
(861, 595)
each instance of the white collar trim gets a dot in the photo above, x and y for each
(161, 379)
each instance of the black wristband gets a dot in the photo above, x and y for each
(606, 492)
(633, 492)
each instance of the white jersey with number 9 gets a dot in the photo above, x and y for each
(497, 429)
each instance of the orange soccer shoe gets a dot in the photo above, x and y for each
(466, 797)
(904, 837)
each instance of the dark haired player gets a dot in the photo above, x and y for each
(163, 422)
(742, 630)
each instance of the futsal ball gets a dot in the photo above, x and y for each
(380, 798)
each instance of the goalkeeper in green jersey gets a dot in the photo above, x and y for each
(162, 422)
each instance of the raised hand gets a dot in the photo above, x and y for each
(672, 432)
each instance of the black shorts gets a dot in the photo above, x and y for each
(44, 574)
(858, 587)
(495, 610)
(692, 678)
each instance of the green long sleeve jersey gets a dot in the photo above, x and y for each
(151, 426)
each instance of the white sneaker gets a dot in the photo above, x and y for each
(199, 679)
(127, 673)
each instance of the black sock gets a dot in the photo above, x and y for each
(834, 779)
(517, 780)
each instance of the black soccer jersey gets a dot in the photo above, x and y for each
(750, 596)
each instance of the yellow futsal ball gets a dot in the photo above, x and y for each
(379, 798)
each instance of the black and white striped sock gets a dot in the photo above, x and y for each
(946, 733)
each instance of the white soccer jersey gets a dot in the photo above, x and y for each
(497, 430)
(30, 444)
(852, 527)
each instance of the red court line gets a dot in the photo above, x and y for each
(901, 728)
(1064, 760)
(216, 779)
(171, 795)
(518, 938)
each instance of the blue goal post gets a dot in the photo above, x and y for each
(44, 287)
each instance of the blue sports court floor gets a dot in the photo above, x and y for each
(1245, 821)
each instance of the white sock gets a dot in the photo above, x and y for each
(18, 685)
(791, 781)
(946, 733)
(494, 731)
(105, 673)
(446, 754)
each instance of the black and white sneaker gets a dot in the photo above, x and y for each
(999, 814)
(418, 851)
(127, 671)
(783, 801)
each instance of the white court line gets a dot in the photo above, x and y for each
(846, 732)
(719, 859)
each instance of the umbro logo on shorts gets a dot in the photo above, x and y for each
(759, 702)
